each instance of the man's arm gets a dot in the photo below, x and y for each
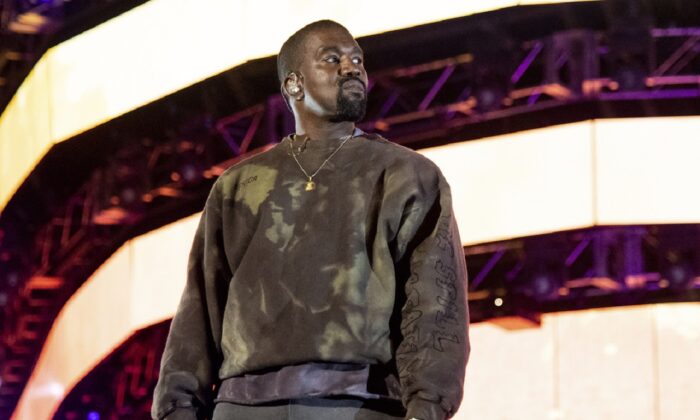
(192, 351)
(433, 353)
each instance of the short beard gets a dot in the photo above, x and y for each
(349, 109)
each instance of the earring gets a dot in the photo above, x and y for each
(294, 89)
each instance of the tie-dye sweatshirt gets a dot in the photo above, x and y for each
(367, 269)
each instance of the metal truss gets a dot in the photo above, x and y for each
(147, 181)
(564, 68)
(601, 266)
(121, 386)
(155, 180)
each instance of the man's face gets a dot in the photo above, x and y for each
(335, 80)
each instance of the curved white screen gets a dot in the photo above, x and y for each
(601, 172)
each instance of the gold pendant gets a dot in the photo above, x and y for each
(310, 185)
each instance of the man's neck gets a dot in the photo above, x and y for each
(328, 130)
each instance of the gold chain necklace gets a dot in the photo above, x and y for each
(310, 184)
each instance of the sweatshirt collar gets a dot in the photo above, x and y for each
(321, 143)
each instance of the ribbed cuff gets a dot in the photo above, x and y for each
(182, 414)
(424, 410)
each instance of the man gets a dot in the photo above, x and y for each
(326, 278)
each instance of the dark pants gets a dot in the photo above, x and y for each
(329, 408)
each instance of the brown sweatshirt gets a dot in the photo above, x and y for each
(294, 293)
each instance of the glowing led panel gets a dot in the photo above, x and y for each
(520, 184)
(647, 170)
(24, 132)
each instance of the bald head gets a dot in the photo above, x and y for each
(291, 54)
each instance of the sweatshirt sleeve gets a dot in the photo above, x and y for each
(432, 355)
(191, 357)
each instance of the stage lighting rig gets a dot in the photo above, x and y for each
(508, 310)
(489, 94)
(13, 271)
(544, 283)
(629, 57)
(581, 269)
(192, 164)
(123, 185)
(570, 60)
(679, 268)
(492, 67)
(678, 256)
(679, 275)
(629, 42)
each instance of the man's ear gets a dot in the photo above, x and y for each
(293, 86)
